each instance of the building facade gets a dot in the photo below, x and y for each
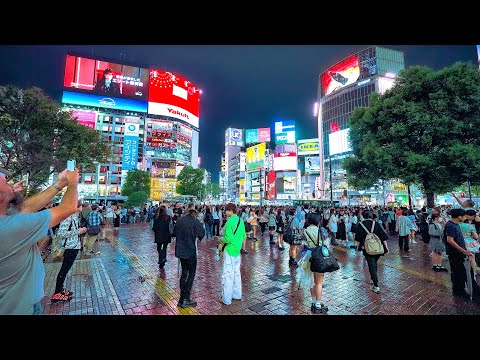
(342, 88)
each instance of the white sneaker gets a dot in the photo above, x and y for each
(375, 289)
(414, 242)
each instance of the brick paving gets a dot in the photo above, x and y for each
(124, 279)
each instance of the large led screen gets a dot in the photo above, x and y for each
(174, 96)
(342, 74)
(105, 78)
(312, 164)
(77, 98)
(257, 135)
(338, 142)
(256, 156)
(285, 132)
(285, 161)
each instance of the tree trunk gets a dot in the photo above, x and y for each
(430, 199)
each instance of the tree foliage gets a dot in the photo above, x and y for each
(424, 131)
(136, 198)
(215, 190)
(36, 135)
(190, 181)
(137, 180)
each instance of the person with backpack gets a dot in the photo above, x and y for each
(293, 233)
(373, 244)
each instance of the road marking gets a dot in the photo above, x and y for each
(164, 291)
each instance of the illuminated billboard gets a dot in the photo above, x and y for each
(85, 118)
(285, 132)
(308, 146)
(130, 144)
(342, 74)
(105, 78)
(257, 135)
(255, 156)
(78, 98)
(285, 161)
(312, 165)
(271, 184)
(234, 137)
(174, 96)
(338, 142)
(478, 54)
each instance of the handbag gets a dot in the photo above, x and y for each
(322, 260)
(93, 230)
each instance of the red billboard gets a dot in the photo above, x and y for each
(105, 78)
(342, 74)
(174, 96)
(271, 184)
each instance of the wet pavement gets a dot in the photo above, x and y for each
(124, 279)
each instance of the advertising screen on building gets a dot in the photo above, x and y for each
(77, 98)
(338, 142)
(234, 137)
(271, 184)
(130, 144)
(251, 136)
(285, 161)
(312, 165)
(85, 118)
(308, 147)
(478, 54)
(174, 96)
(285, 132)
(255, 156)
(257, 135)
(289, 184)
(105, 78)
(342, 74)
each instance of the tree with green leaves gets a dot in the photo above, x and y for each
(136, 198)
(190, 181)
(136, 181)
(215, 190)
(36, 137)
(425, 130)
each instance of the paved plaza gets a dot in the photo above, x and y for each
(124, 279)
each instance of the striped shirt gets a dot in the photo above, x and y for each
(71, 236)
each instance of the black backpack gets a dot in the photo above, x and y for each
(209, 218)
(288, 234)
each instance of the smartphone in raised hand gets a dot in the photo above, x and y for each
(71, 165)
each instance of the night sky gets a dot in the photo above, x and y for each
(244, 86)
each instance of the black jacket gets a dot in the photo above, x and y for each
(187, 229)
(361, 234)
(161, 229)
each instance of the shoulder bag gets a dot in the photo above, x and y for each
(58, 244)
(217, 256)
(322, 260)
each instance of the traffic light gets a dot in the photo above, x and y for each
(345, 176)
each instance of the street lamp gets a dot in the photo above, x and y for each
(97, 180)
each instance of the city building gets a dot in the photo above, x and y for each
(148, 117)
(234, 143)
(342, 88)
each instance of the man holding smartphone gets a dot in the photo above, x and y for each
(22, 272)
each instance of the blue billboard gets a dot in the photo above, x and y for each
(104, 101)
(130, 144)
(285, 132)
(251, 136)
